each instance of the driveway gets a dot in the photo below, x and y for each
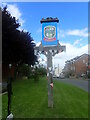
(83, 84)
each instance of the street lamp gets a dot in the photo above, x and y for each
(9, 90)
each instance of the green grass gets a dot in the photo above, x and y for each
(30, 100)
(0, 107)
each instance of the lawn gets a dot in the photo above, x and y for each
(30, 100)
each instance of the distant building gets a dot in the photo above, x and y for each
(77, 66)
(57, 70)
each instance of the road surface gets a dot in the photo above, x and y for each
(83, 84)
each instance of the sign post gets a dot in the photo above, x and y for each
(50, 80)
(50, 47)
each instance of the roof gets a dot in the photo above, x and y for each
(49, 19)
(76, 58)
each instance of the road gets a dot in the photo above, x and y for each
(83, 84)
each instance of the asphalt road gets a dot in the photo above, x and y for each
(83, 84)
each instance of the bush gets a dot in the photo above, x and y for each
(39, 72)
(23, 70)
(42, 71)
(36, 75)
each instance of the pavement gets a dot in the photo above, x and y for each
(83, 84)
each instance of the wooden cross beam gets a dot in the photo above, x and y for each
(50, 51)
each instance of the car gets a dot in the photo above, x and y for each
(83, 75)
(62, 76)
(3, 87)
(54, 76)
(57, 76)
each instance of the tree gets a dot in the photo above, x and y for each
(38, 72)
(42, 71)
(17, 46)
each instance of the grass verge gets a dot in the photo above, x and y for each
(30, 100)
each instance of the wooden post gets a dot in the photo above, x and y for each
(49, 52)
(50, 80)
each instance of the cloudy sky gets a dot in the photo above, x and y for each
(72, 27)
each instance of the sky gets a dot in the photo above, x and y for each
(72, 27)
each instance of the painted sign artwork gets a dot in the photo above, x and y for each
(49, 34)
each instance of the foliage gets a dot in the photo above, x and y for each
(17, 46)
(36, 74)
(23, 70)
(42, 71)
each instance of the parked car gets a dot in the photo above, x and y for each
(83, 75)
(54, 76)
(57, 76)
(3, 87)
(62, 76)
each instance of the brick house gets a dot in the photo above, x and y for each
(7, 72)
(77, 66)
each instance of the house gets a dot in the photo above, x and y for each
(7, 71)
(77, 66)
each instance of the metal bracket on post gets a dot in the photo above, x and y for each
(50, 51)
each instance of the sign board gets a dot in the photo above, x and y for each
(49, 34)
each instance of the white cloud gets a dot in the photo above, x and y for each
(15, 12)
(37, 44)
(78, 32)
(89, 49)
(71, 52)
(42, 59)
(77, 42)
(74, 32)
